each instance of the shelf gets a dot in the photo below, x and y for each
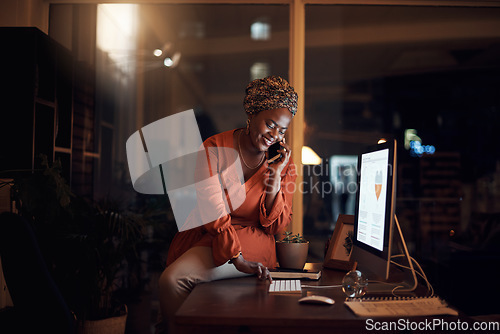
(44, 87)
(62, 150)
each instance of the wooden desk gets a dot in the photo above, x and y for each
(244, 305)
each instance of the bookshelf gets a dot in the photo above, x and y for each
(430, 199)
(36, 99)
(441, 188)
(47, 107)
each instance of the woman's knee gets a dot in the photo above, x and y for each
(171, 281)
(167, 280)
(175, 279)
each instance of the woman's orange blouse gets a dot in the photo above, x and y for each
(249, 229)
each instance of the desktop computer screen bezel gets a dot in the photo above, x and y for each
(373, 262)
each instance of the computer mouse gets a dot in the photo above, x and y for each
(317, 300)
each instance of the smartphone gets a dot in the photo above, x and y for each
(272, 153)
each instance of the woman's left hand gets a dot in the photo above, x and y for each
(251, 267)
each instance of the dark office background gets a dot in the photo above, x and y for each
(371, 72)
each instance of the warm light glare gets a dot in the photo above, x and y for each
(157, 52)
(117, 27)
(117, 34)
(381, 141)
(309, 157)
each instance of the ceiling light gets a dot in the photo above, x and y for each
(260, 30)
(168, 62)
(157, 52)
(173, 61)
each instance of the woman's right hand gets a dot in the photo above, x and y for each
(250, 267)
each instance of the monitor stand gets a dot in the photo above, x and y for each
(398, 280)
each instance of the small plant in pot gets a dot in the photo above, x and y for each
(292, 251)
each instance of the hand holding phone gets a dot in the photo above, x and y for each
(272, 153)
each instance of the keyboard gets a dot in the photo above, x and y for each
(285, 286)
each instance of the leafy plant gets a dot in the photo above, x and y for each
(42, 195)
(87, 245)
(292, 238)
(102, 244)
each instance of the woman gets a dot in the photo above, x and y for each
(241, 242)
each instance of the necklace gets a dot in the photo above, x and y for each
(243, 159)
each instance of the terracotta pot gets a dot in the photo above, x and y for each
(292, 255)
(114, 325)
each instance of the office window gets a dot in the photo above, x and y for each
(217, 57)
(376, 72)
(153, 61)
(425, 75)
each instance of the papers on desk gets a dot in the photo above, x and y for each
(294, 274)
(398, 307)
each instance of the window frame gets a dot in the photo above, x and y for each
(296, 69)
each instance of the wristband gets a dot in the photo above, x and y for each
(234, 258)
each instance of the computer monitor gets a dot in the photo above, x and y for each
(374, 210)
(375, 220)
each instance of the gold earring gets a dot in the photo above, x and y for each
(248, 126)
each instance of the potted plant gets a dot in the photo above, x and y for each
(103, 245)
(86, 245)
(292, 251)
